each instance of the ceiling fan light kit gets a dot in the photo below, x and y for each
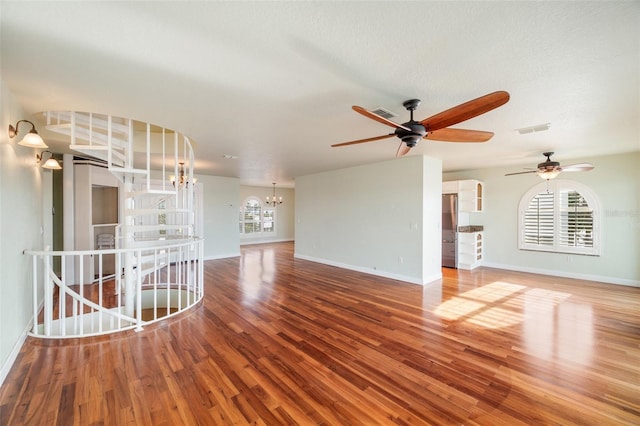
(435, 127)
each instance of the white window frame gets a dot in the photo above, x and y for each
(262, 232)
(556, 186)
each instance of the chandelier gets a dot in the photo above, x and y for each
(274, 201)
(182, 180)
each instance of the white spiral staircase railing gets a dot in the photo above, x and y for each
(157, 258)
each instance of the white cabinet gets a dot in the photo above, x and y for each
(450, 187)
(470, 196)
(470, 250)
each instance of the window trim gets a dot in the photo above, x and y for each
(555, 186)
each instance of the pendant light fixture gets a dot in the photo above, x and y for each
(182, 179)
(274, 201)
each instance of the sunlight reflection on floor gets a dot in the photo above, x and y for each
(257, 273)
(540, 311)
(495, 305)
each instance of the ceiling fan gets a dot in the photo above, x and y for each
(550, 169)
(436, 127)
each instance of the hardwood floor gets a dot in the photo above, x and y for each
(284, 341)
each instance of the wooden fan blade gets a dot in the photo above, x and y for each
(378, 118)
(521, 173)
(580, 167)
(375, 138)
(402, 149)
(465, 111)
(458, 135)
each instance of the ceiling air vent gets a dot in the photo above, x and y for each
(385, 113)
(531, 129)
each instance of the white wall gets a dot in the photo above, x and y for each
(285, 214)
(380, 218)
(616, 182)
(432, 219)
(23, 223)
(220, 199)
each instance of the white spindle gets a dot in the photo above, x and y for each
(80, 304)
(169, 283)
(164, 160)
(148, 156)
(90, 128)
(73, 128)
(100, 269)
(34, 279)
(139, 291)
(48, 295)
(109, 143)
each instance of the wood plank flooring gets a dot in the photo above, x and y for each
(284, 341)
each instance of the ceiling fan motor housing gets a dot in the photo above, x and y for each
(548, 165)
(412, 137)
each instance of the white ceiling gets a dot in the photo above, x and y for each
(273, 82)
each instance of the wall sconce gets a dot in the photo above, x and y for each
(274, 201)
(51, 163)
(182, 180)
(31, 139)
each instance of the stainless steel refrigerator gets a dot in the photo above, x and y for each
(449, 230)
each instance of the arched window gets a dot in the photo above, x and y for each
(560, 216)
(256, 219)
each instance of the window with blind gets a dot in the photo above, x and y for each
(559, 216)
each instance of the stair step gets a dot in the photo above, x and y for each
(83, 133)
(151, 192)
(151, 256)
(100, 154)
(128, 170)
(145, 228)
(143, 212)
(83, 118)
(150, 243)
(99, 151)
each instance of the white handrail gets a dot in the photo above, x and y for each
(173, 276)
(108, 251)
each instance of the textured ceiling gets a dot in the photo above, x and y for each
(273, 82)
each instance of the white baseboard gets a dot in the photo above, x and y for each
(393, 276)
(564, 274)
(15, 351)
(264, 241)
(222, 256)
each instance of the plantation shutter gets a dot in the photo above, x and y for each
(560, 216)
(576, 220)
(538, 220)
(252, 217)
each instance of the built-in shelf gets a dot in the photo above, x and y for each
(470, 250)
